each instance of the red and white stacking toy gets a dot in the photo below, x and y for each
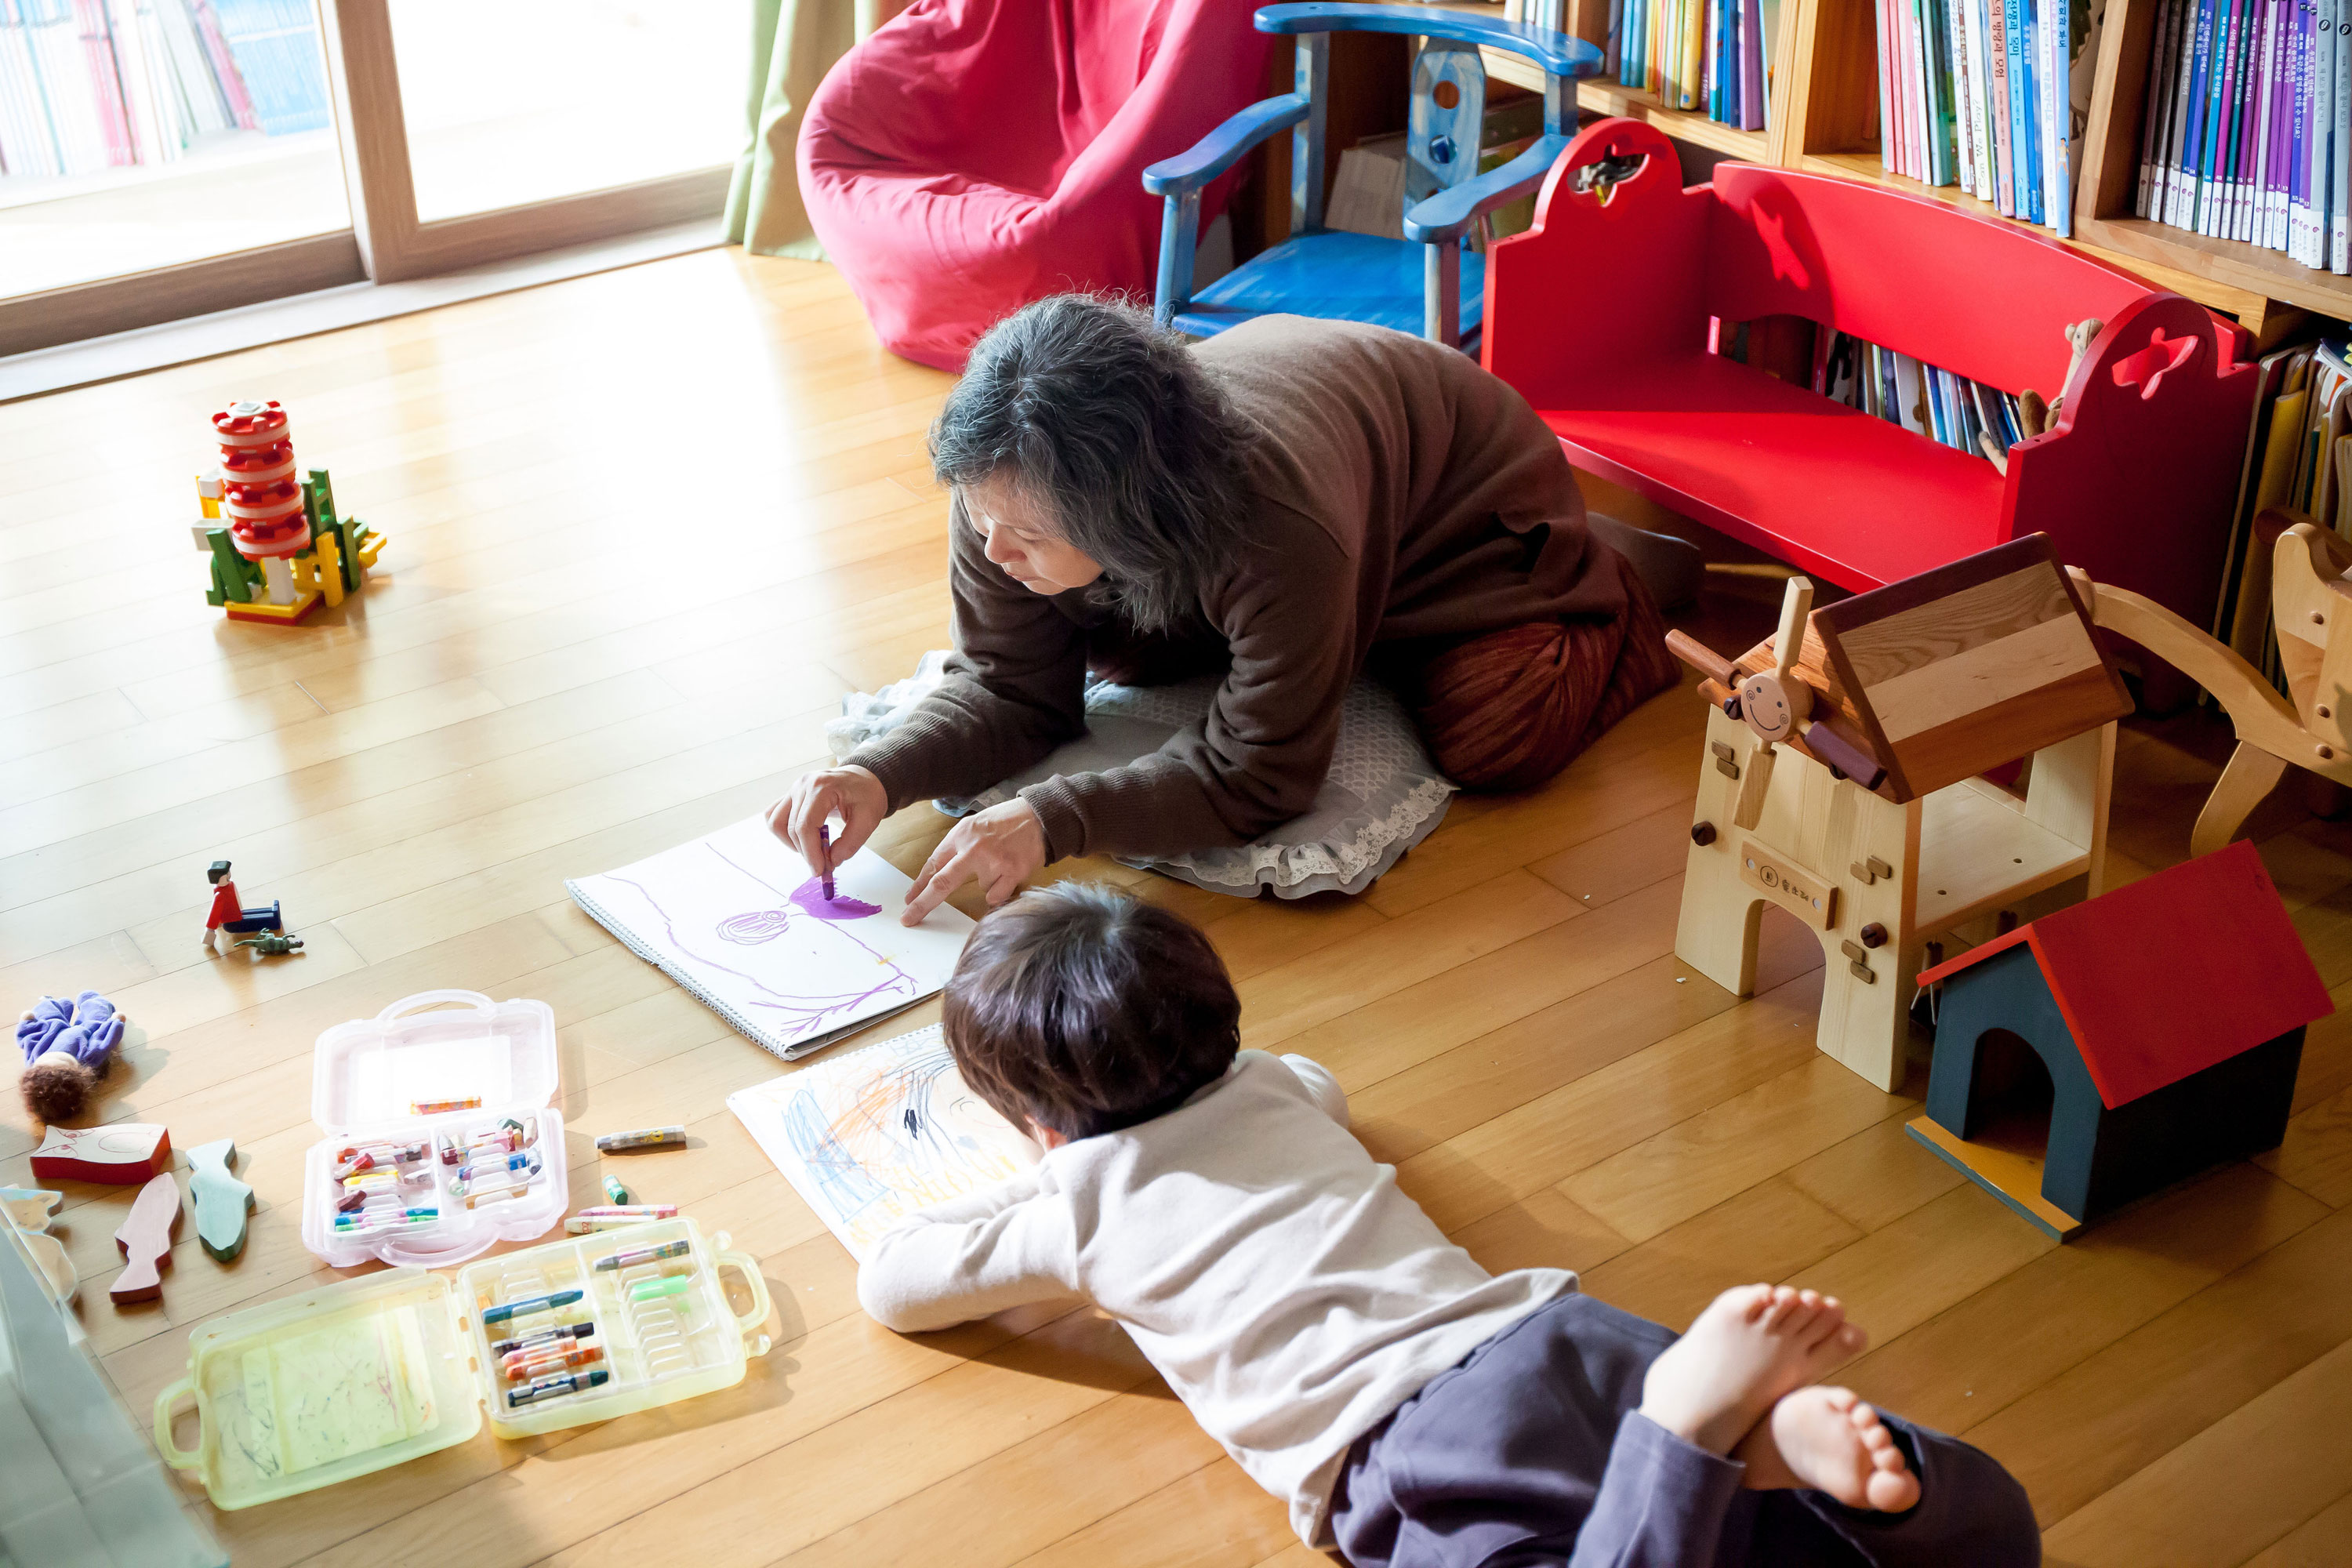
(262, 498)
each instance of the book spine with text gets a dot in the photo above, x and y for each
(2266, 119)
(2160, 106)
(2003, 122)
(1981, 97)
(2316, 183)
(2341, 149)
(2192, 136)
(2298, 164)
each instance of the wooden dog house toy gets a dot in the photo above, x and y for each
(2167, 1017)
(1878, 832)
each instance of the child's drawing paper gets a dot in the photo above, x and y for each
(738, 920)
(874, 1134)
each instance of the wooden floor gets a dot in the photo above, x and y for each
(645, 528)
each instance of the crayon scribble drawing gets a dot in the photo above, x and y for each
(737, 918)
(872, 1135)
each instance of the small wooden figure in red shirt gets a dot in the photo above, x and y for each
(227, 915)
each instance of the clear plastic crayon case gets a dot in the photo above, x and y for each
(372, 1372)
(685, 1341)
(376, 1084)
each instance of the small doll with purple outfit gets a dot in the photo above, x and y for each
(67, 1047)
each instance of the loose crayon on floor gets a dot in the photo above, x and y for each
(632, 1257)
(507, 1310)
(542, 1337)
(615, 1191)
(435, 1106)
(629, 1211)
(556, 1387)
(642, 1138)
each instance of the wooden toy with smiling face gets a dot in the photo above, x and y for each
(1877, 830)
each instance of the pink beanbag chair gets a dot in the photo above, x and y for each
(973, 155)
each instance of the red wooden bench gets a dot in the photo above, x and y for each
(1602, 316)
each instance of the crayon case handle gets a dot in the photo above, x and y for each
(167, 1405)
(473, 999)
(754, 1318)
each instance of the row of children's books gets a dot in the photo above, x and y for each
(2298, 455)
(1927, 400)
(1950, 410)
(1983, 94)
(92, 85)
(1711, 57)
(2249, 119)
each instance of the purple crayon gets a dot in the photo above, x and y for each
(825, 849)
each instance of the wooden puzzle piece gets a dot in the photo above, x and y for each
(121, 1152)
(146, 1241)
(27, 1209)
(222, 1201)
(30, 1207)
(56, 1268)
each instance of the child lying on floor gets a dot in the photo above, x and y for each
(1414, 1410)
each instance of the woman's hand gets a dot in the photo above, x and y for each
(853, 794)
(997, 849)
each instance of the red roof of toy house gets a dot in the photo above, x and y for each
(2170, 974)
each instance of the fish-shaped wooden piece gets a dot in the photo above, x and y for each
(222, 1201)
(121, 1152)
(146, 1240)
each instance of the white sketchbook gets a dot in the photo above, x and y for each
(738, 920)
(871, 1135)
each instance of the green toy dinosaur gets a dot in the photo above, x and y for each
(269, 943)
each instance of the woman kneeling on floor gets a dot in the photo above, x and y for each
(1290, 502)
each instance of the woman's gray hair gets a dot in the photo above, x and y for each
(1114, 430)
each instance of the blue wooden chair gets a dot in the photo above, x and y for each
(1424, 282)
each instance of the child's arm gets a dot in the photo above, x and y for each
(1004, 1247)
(1328, 1095)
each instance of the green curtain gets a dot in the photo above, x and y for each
(793, 44)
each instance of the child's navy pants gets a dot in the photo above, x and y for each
(1529, 1455)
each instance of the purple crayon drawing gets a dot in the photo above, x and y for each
(738, 920)
(813, 897)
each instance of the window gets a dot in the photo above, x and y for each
(164, 158)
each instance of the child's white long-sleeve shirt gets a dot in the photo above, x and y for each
(1288, 1291)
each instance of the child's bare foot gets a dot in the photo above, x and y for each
(1827, 1439)
(1749, 1347)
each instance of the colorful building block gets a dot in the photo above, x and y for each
(278, 547)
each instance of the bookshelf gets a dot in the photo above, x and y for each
(1609, 98)
(1824, 118)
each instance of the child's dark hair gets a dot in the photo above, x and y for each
(1080, 1008)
